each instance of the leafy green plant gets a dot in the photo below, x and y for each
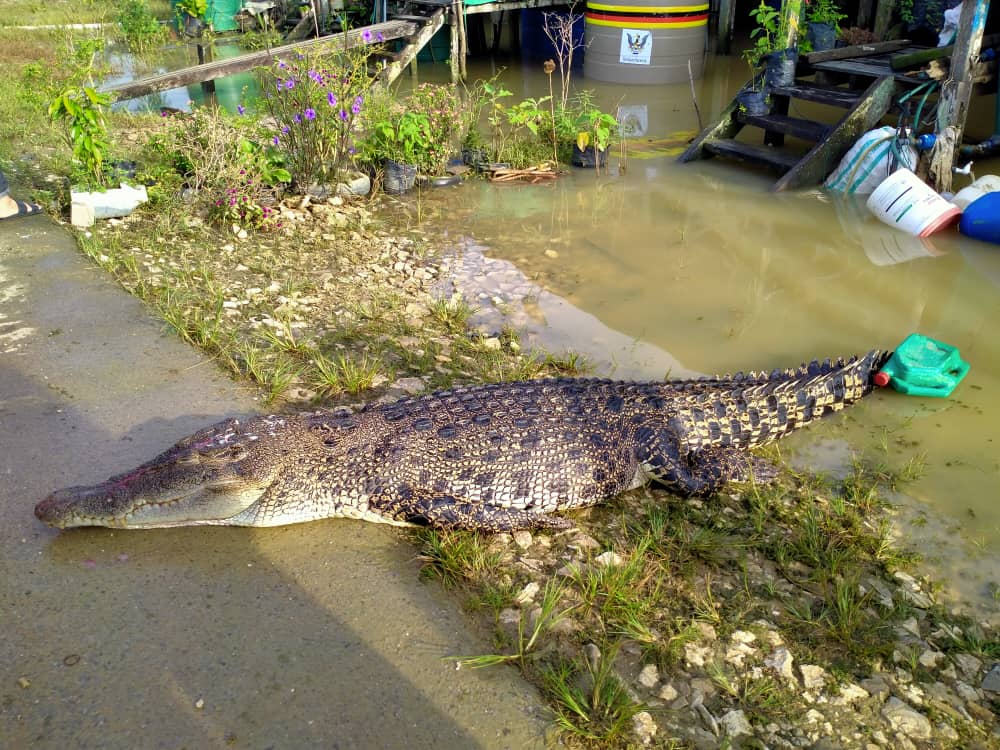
(81, 110)
(823, 11)
(138, 26)
(404, 137)
(764, 34)
(193, 8)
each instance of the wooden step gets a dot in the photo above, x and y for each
(413, 18)
(807, 130)
(763, 156)
(834, 96)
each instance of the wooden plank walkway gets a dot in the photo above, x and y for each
(210, 71)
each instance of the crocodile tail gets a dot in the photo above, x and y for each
(794, 398)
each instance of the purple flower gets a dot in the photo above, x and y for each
(284, 129)
(297, 118)
(343, 115)
(310, 113)
(315, 76)
(290, 83)
(275, 140)
(331, 99)
(281, 65)
(241, 109)
(366, 36)
(356, 107)
(380, 37)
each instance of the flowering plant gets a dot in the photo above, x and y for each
(314, 100)
(440, 105)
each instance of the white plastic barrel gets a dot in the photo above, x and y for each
(906, 202)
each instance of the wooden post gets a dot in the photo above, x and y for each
(207, 87)
(883, 17)
(724, 29)
(456, 19)
(957, 90)
(864, 13)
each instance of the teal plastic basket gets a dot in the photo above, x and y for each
(921, 366)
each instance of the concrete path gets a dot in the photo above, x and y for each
(311, 636)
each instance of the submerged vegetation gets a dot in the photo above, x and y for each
(777, 614)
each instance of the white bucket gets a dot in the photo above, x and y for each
(905, 202)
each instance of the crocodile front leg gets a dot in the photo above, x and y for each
(448, 512)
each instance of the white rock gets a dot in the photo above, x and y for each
(743, 636)
(781, 662)
(668, 692)
(966, 691)
(813, 677)
(851, 692)
(706, 630)
(735, 723)
(968, 664)
(522, 538)
(410, 385)
(695, 655)
(813, 716)
(608, 559)
(649, 676)
(644, 727)
(527, 594)
(510, 616)
(930, 658)
(906, 720)
(947, 731)
(738, 653)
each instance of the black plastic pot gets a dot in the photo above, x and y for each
(779, 67)
(754, 102)
(822, 35)
(398, 178)
(588, 157)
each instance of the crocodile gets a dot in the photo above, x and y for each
(489, 457)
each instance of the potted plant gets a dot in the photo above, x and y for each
(772, 40)
(191, 16)
(398, 140)
(595, 130)
(823, 18)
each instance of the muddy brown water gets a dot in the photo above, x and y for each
(678, 269)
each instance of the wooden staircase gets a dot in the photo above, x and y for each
(801, 165)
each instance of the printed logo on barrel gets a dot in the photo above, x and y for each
(637, 47)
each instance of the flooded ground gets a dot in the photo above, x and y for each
(674, 269)
(684, 269)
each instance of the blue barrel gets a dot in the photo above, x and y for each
(981, 219)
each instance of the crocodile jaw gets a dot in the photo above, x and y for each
(104, 505)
